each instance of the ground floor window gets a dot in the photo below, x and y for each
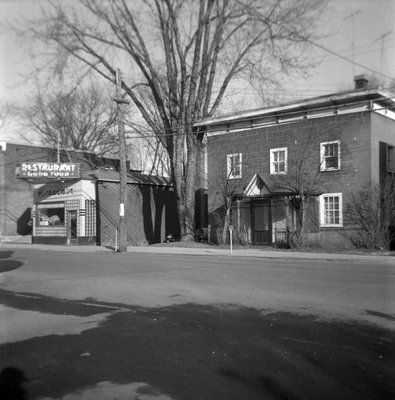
(90, 218)
(50, 214)
(331, 209)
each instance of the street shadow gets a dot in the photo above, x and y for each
(260, 383)
(9, 265)
(11, 384)
(50, 305)
(6, 254)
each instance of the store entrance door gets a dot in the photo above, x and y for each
(72, 227)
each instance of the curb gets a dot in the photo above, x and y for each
(188, 251)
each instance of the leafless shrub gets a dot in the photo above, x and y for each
(371, 211)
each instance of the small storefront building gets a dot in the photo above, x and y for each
(64, 212)
(84, 211)
(73, 198)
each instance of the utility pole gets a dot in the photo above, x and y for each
(58, 148)
(122, 161)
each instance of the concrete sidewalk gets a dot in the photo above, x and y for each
(207, 251)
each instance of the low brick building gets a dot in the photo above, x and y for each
(328, 147)
(79, 209)
(150, 211)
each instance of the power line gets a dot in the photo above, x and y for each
(347, 59)
(322, 47)
(370, 51)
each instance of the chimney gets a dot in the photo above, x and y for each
(361, 82)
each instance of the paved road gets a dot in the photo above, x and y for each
(362, 290)
(88, 326)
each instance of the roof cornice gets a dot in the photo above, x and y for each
(331, 100)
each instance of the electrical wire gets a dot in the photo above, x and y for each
(322, 47)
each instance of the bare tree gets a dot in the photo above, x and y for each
(230, 188)
(371, 211)
(5, 114)
(148, 152)
(302, 181)
(181, 57)
(83, 119)
(227, 190)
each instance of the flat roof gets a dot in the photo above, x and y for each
(136, 177)
(330, 100)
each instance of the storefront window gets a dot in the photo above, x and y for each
(50, 214)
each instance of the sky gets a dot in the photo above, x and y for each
(359, 38)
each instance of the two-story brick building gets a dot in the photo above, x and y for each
(323, 149)
(72, 197)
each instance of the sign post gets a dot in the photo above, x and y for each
(231, 238)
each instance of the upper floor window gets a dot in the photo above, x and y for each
(331, 209)
(330, 156)
(234, 162)
(390, 158)
(278, 160)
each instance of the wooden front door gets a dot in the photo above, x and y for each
(261, 223)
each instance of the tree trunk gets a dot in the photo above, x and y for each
(185, 183)
(190, 190)
(226, 221)
(302, 236)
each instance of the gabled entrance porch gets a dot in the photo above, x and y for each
(262, 213)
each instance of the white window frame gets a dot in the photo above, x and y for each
(273, 163)
(323, 157)
(323, 211)
(229, 173)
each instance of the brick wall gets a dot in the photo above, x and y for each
(353, 131)
(16, 198)
(150, 213)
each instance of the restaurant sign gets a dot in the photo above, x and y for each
(48, 170)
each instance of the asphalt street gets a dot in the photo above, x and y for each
(82, 325)
(341, 288)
